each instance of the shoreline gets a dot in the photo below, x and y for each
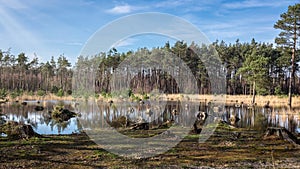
(274, 101)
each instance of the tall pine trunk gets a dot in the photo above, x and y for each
(253, 98)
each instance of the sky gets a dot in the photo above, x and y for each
(46, 28)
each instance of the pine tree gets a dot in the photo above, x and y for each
(289, 23)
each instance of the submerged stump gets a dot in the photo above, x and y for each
(38, 108)
(140, 126)
(119, 122)
(15, 130)
(61, 114)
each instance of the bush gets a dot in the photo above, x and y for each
(20, 92)
(278, 90)
(69, 92)
(41, 92)
(145, 97)
(54, 89)
(60, 93)
(135, 98)
(103, 94)
(14, 94)
(106, 95)
(262, 91)
(130, 93)
(30, 93)
(3, 93)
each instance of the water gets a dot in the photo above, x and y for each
(261, 118)
(41, 121)
(157, 113)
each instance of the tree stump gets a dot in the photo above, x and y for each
(274, 133)
(15, 130)
(140, 126)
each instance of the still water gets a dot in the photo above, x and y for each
(257, 118)
(261, 118)
(41, 121)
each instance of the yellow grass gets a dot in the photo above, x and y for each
(228, 99)
(233, 99)
(46, 97)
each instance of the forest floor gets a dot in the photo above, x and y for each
(222, 150)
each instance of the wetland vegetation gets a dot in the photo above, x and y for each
(47, 119)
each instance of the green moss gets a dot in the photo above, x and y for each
(61, 114)
(66, 151)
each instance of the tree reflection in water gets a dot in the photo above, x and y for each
(258, 118)
(41, 121)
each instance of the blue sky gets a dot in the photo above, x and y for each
(55, 27)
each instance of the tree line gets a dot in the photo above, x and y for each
(264, 64)
(245, 63)
(18, 74)
(249, 67)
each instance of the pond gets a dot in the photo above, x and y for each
(156, 114)
(261, 117)
(41, 121)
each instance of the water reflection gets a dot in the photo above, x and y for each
(155, 113)
(41, 121)
(261, 118)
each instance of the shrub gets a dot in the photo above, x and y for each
(14, 94)
(69, 92)
(54, 89)
(20, 92)
(41, 92)
(129, 93)
(60, 93)
(103, 94)
(30, 93)
(278, 90)
(106, 95)
(3, 93)
(145, 97)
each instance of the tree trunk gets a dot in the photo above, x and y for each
(253, 98)
(293, 68)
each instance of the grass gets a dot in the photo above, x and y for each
(219, 151)
(36, 97)
(275, 101)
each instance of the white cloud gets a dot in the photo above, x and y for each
(121, 9)
(170, 3)
(186, 6)
(74, 43)
(224, 34)
(124, 43)
(255, 3)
